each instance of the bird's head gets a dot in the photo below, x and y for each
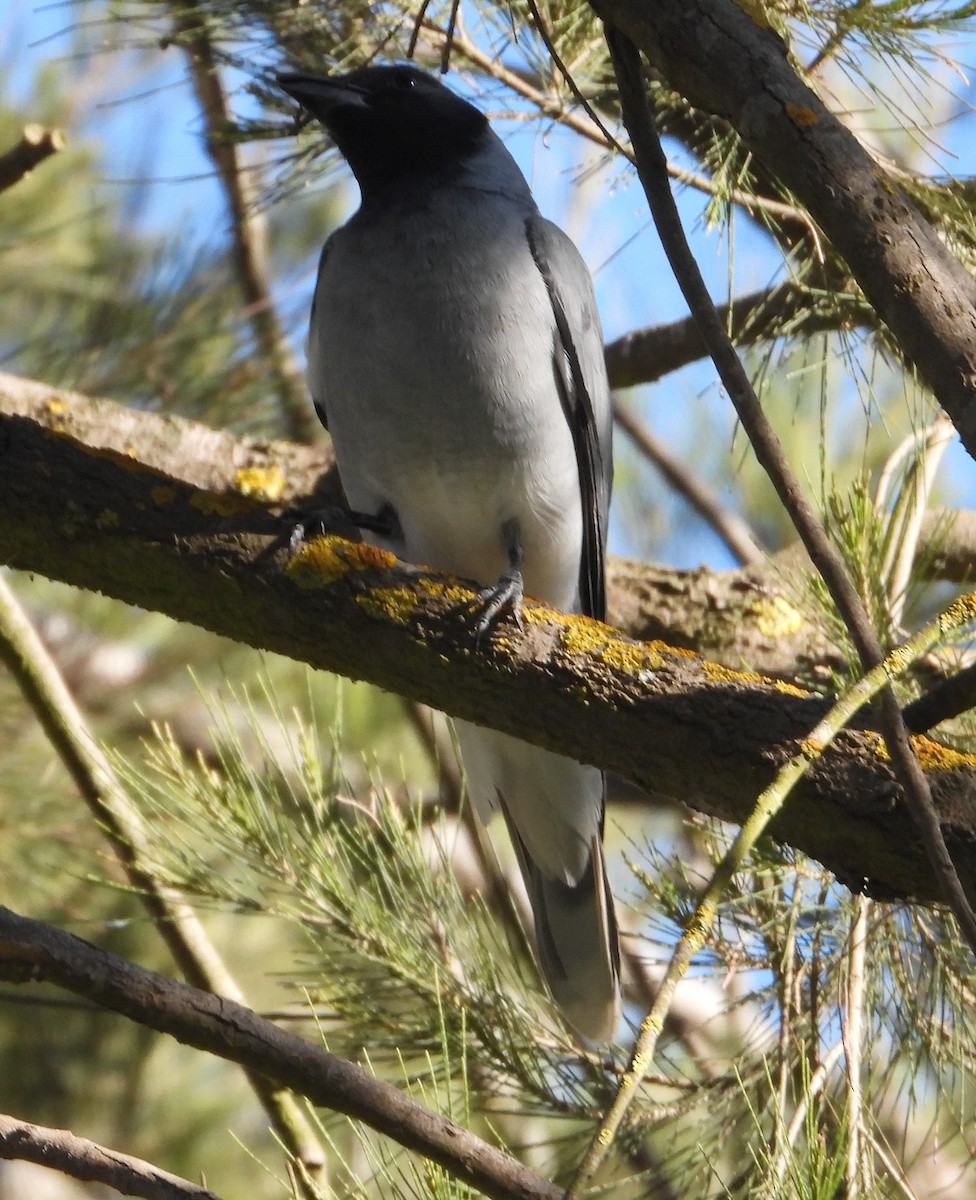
(390, 123)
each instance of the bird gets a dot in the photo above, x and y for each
(455, 355)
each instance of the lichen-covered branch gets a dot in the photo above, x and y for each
(733, 617)
(671, 722)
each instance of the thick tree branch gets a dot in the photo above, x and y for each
(672, 723)
(63, 1151)
(739, 616)
(924, 295)
(31, 950)
(646, 355)
(650, 160)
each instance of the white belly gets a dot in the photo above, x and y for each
(435, 366)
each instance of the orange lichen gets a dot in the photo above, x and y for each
(801, 115)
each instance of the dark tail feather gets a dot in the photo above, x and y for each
(576, 935)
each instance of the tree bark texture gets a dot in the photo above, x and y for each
(675, 724)
(31, 950)
(724, 63)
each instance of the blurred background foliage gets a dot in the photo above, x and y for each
(309, 818)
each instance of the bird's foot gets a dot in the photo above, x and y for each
(508, 592)
(505, 595)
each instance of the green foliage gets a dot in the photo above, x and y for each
(393, 954)
(335, 880)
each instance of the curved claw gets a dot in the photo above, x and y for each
(507, 593)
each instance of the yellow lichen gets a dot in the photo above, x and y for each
(398, 604)
(775, 617)
(395, 604)
(261, 483)
(787, 689)
(933, 756)
(326, 559)
(580, 635)
(723, 674)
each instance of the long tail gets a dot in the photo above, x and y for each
(577, 940)
(554, 810)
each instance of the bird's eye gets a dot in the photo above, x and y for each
(405, 80)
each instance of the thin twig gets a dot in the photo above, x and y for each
(36, 143)
(812, 1089)
(930, 447)
(892, 1166)
(590, 127)
(249, 257)
(852, 1034)
(786, 979)
(961, 612)
(45, 691)
(32, 950)
(79, 1158)
(729, 526)
(651, 167)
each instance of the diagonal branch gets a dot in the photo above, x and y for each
(919, 290)
(79, 1158)
(672, 723)
(44, 689)
(31, 950)
(769, 452)
(249, 256)
(730, 527)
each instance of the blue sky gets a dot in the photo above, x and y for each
(143, 113)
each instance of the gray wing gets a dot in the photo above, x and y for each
(581, 377)
(314, 369)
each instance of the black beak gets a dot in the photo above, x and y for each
(320, 94)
